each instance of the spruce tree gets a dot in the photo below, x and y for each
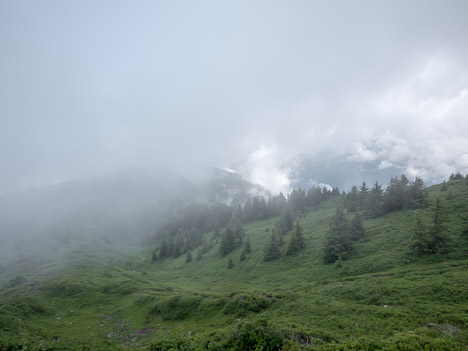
(363, 195)
(420, 242)
(248, 248)
(199, 254)
(188, 257)
(438, 228)
(230, 264)
(228, 241)
(352, 201)
(464, 226)
(417, 194)
(297, 241)
(239, 233)
(243, 256)
(357, 230)
(429, 240)
(271, 251)
(337, 240)
(286, 221)
(374, 205)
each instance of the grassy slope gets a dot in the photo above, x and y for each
(97, 296)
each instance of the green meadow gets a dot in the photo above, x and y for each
(97, 295)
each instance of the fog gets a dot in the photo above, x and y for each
(90, 87)
(282, 92)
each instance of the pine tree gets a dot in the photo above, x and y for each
(243, 256)
(363, 195)
(217, 231)
(374, 206)
(438, 228)
(199, 254)
(429, 240)
(239, 233)
(420, 242)
(248, 249)
(417, 193)
(357, 230)
(464, 226)
(230, 264)
(271, 251)
(396, 196)
(286, 221)
(188, 257)
(297, 241)
(228, 241)
(352, 201)
(338, 240)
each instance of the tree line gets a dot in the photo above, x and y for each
(184, 230)
(374, 202)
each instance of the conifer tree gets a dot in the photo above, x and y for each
(357, 230)
(271, 251)
(374, 206)
(396, 196)
(228, 241)
(417, 193)
(188, 257)
(286, 221)
(199, 254)
(337, 241)
(429, 240)
(464, 226)
(297, 241)
(363, 195)
(230, 264)
(438, 229)
(352, 202)
(247, 246)
(420, 242)
(217, 231)
(243, 256)
(238, 233)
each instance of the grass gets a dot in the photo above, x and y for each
(96, 295)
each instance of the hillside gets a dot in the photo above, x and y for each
(125, 206)
(96, 295)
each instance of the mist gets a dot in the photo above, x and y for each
(88, 88)
(99, 102)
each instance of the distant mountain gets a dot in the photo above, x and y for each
(340, 171)
(229, 188)
(124, 205)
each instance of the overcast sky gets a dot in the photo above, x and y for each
(90, 86)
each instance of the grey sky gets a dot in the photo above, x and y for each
(89, 86)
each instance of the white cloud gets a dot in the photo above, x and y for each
(265, 168)
(420, 124)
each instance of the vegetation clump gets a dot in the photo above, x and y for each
(338, 238)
